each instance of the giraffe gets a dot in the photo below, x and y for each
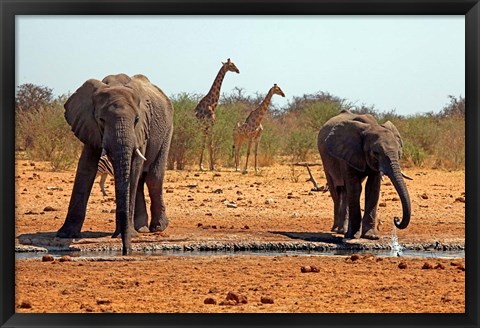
(205, 110)
(251, 130)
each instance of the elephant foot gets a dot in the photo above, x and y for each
(68, 233)
(133, 233)
(370, 234)
(143, 229)
(159, 226)
(352, 234)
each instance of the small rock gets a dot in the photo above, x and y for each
(402, 265)
(424, 196)
(294, 215)
(103, 301)
(218, 191)
(460, 199)
(395, 199)
(49, 209)
(427, 265)
(269, 201)
(440, 266)
(169, 191)
(47, 258)
(209, 300)
(354, 257)
(113, 211)
(315, 268)
(232, 205)
(266, 300)
(305, 269)
(65, 258)
(239, 298)
(229, 302)
(25, 305)
(246, 227)
(199, 225)
(213, 290)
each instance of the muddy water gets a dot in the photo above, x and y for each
(105, 255)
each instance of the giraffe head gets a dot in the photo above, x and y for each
(230, 66)
(277, 91)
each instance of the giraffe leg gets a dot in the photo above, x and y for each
(249, 146)
(204, 138)
(210, 150)
(255, 152)
(237, 145)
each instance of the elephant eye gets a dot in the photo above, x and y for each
(136, 119)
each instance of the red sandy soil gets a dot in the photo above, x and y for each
(275, 205)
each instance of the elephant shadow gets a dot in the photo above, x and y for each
(325, 237)
(50, 240)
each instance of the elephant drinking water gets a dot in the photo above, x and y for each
(354, 147)
(131, 120)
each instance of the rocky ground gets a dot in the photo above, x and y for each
(227, 211)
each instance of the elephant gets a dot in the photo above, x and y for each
(354, 147)
(130, 120)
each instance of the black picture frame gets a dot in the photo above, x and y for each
(11, 8)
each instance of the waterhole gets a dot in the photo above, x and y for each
(341, 252)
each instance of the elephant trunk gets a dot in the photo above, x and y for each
(122, 166)
(395, 174)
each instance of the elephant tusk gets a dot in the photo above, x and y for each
(406, 176)
(140, 154)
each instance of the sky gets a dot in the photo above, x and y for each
(410, 64)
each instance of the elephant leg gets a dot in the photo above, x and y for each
(140, 219)
(354, 189)
(372, 193)
(342, 221)
(249, 146)
(84, 179)
(336, 202)
(154, 181)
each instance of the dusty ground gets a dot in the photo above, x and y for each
(275, 207)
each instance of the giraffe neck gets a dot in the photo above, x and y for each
(214, 93)
(258, 114)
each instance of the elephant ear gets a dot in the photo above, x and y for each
(389, 125)
(80, 114)
(345, 141)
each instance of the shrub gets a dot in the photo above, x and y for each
(187, 135)
(46, 136)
